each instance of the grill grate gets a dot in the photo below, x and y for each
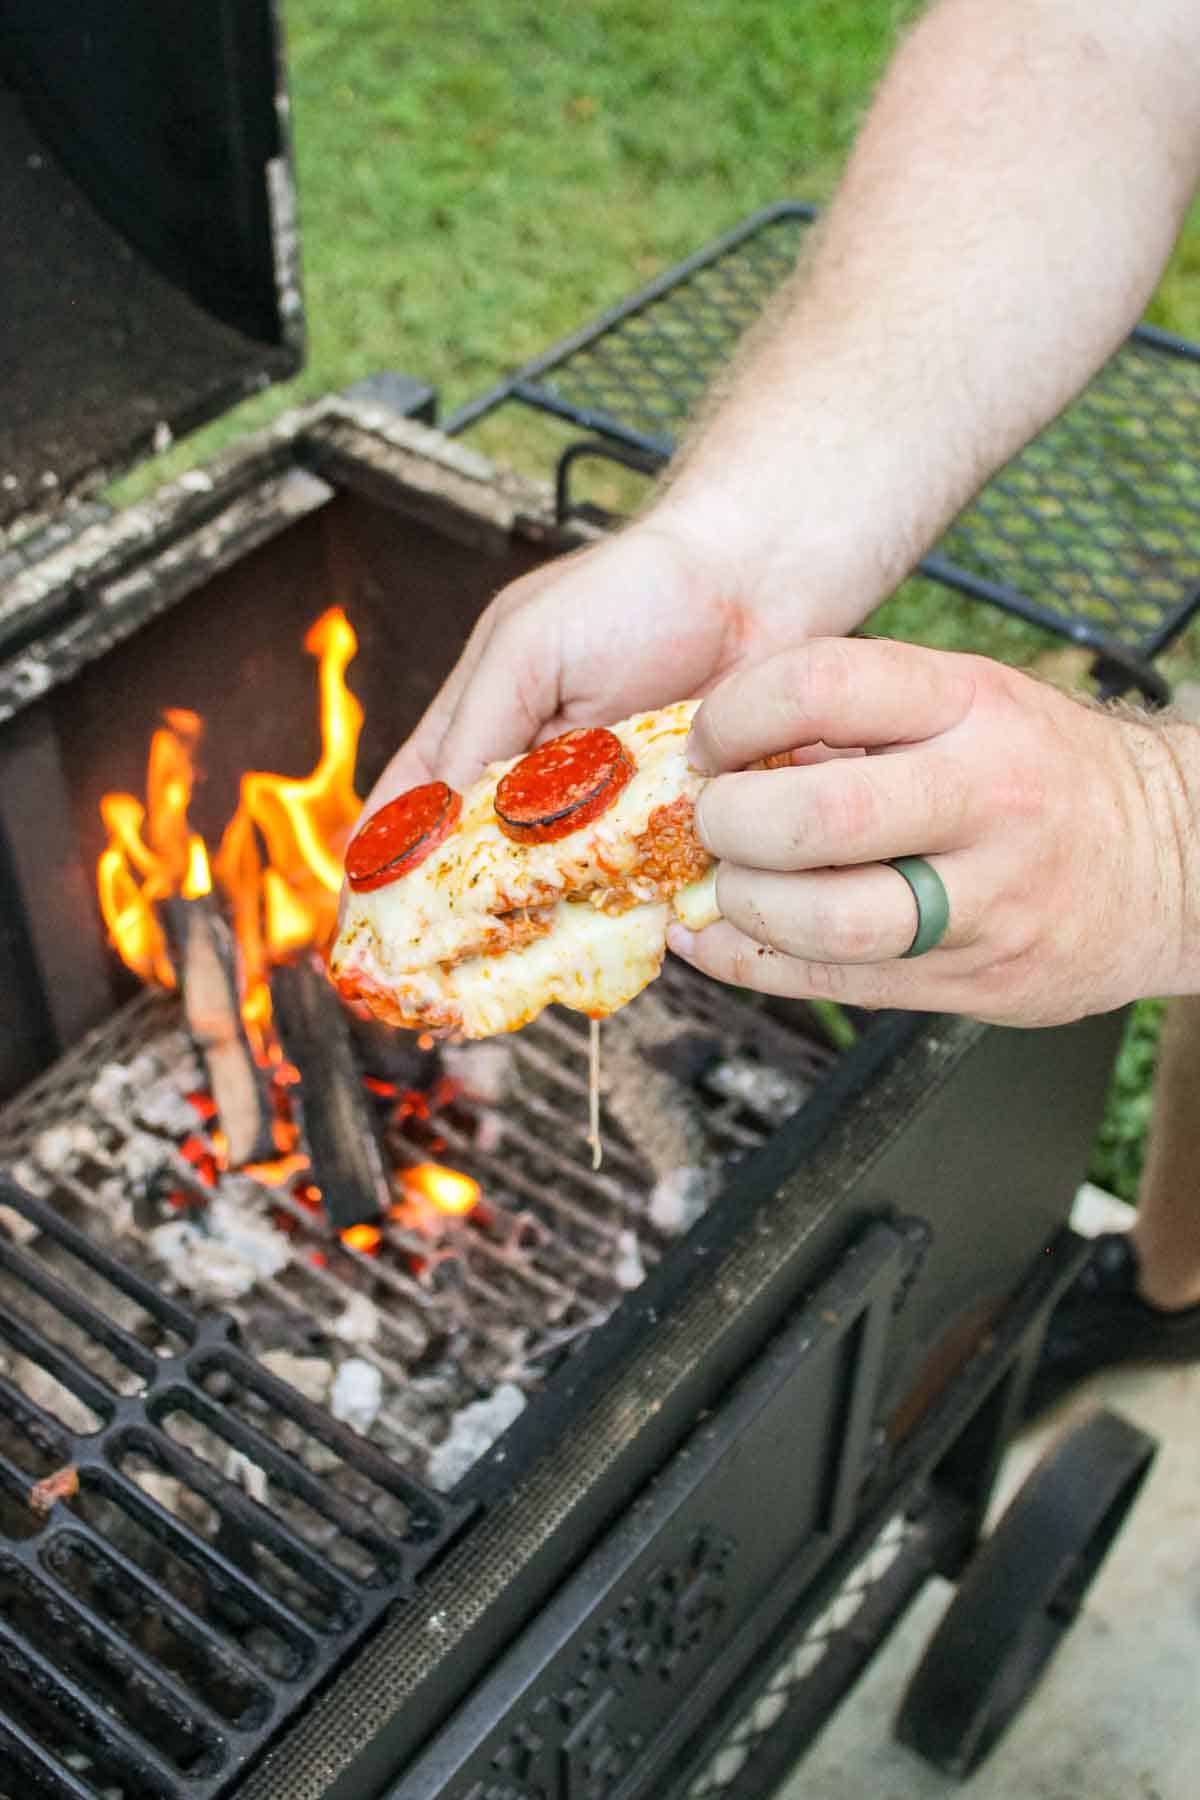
(153, 1647)
(230, 1542)
(1092, 532)
(491, 1300)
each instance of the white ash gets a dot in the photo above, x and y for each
(247, 1475)
(162, 1108)
(769, 1092)
(483, 1071)
(359, 1323)
(142, 1091)
(680, 1198)
(196, 481)
(309, 1375)
(162, 1487)
(143, 1157)
(489, 1132)
(16, 1226)
(172, 1057)
(629, 1271)
(42, 1388)
(115, 1197)
(474, 1430)
(357, 1394)
(220, 1254)
(112, 1090)
(657, 1112)
(62, 1147)
(29, 1176)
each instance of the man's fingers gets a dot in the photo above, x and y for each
(838, 691)
(926, 984)
(837, 813)
(727, 954)
(863, 915)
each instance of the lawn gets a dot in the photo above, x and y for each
(477, 180)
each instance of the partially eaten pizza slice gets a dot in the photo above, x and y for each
(552, 878)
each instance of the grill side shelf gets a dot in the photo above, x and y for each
(1090, 532)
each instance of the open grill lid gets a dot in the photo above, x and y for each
(147, 239)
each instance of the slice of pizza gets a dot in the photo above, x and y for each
(552, 878)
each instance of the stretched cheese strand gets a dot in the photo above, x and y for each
(593, 1136)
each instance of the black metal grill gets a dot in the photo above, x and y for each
(230, 1542)
(490, 1300)
(817, 1669)
(138, 1647)
(1092, 532)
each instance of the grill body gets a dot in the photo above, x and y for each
(813, 1384)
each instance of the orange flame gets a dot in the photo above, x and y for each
(198, 879)
(279, 864)
(304, 826)
(150, 852)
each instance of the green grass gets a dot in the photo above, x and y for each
(477, 180)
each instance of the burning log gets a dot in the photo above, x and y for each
(205, 960)
(335, 1119)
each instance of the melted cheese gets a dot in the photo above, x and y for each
(430, 951)
(696, 905)
(447, 907)
(588, 962)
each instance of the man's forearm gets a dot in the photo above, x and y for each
(1008, 208)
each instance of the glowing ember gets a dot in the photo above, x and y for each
(366, 1239)
(280, 1172)
(280, 859)
(450, 1191)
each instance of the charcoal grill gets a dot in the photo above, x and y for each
(744, 1435)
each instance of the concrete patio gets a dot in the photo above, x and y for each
(1117, 1716)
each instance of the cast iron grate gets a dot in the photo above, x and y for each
(1092, 532)
(230, 1543)
(446, 1311)
(143, 1652)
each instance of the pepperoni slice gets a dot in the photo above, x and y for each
(562, 785)
(401, 835)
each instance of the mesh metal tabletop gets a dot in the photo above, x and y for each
(1092, 532)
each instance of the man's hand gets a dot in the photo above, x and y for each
(653, 615)
(1060, 833)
